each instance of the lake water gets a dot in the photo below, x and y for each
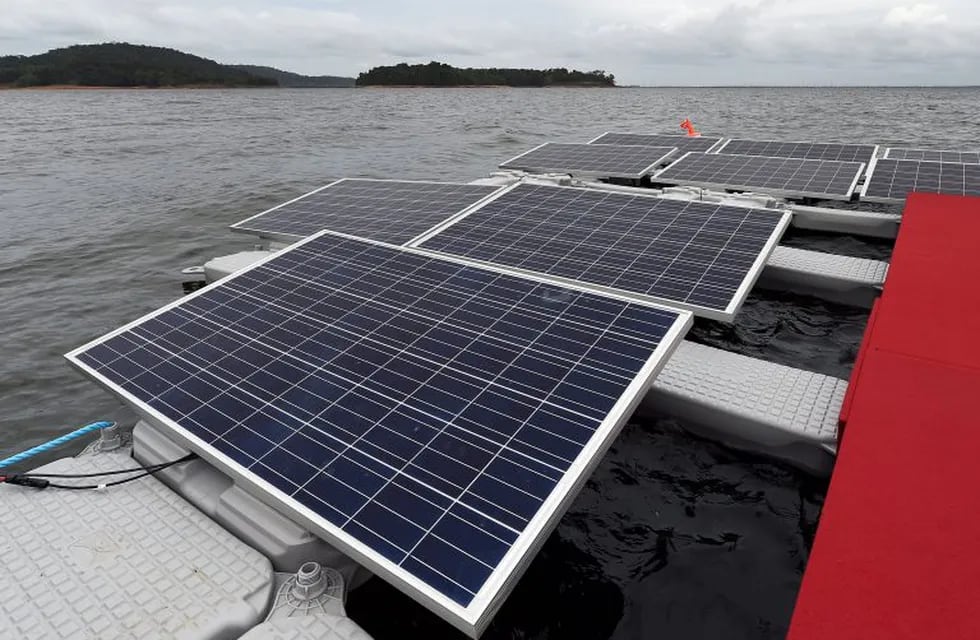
(106, 195)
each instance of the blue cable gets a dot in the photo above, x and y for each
(54, 444)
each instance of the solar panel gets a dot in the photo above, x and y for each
(682, 142)
(807, 150)
(394, 211)
(429, 417)
(597, 160)
(699, 256)
(776, 176)
(893, 180)
(933, 155)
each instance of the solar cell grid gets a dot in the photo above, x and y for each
(806, 150)
(683, 143)
(700, 256)
(602, 160)
(777, 176)
(892, 180)
(394, 211)
(932, 155)
(430, 417)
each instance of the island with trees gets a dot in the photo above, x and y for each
(120, 64)
(438, 74)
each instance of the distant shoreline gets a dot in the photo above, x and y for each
(87, 87)
(93, 87)
(484, 86)
(76, 87)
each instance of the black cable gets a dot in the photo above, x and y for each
(40, 481)
(148, 467)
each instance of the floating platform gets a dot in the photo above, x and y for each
(789, 413)
(842, 279)
(871, 224)
(240, 545)
(895, 554)
(136, 561)
(140, 561)
(322, 626)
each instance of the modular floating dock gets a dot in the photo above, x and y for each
(415, 378)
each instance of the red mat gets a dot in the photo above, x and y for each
(897, 552)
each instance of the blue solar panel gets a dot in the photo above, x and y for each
(684, 143)
(430, 417)
(932, 155)
(701, 256)
(892, 180)
(809, 150)
(794, 177)
(394, 211)
(601, 160)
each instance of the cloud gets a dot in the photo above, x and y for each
(918, 15)
(650, 42)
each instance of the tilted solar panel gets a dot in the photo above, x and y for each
(430, 418)
(791, 177)
(682, 142)
(933, 155)
(597, 160)
(394, 211)
(807, 150)
(698, 256)
(892, 180)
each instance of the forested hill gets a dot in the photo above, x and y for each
(121, 65)
(295, 80)
(438, 74)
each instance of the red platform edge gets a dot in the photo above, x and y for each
(897, 551)
(845, 409)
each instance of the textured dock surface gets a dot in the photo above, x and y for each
(780, 403)
(323, 626)
(830, 265)
(132, 561)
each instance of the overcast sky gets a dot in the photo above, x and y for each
(641, 41)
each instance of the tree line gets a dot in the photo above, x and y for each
(438, 74)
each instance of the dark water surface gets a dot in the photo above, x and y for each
(106, 195)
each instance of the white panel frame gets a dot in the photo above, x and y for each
(781, 193)
(721, 149)
(290, 238)
(474, 618)
(874, 159)
(720, 141)
(649, 170)
(863, 195)
(726, 315)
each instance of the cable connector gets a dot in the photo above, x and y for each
(36, 483)
(41, 480)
